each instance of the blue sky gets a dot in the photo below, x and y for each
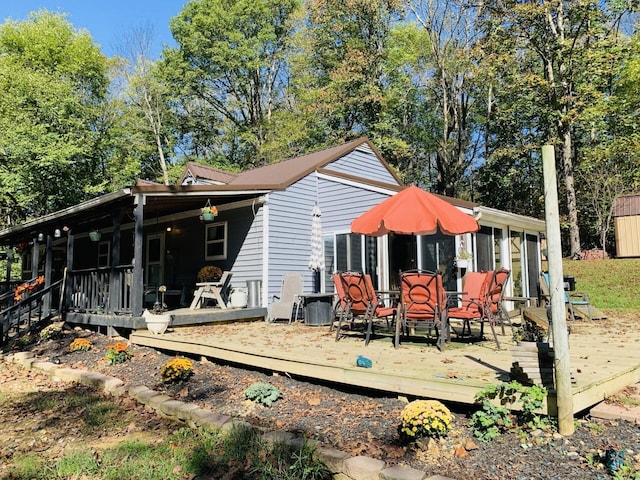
(106, 20)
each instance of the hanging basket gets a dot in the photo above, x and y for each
(208, 212)
(95, 236)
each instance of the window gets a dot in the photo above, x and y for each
(104, 254)
(216, 241)
(350, 252)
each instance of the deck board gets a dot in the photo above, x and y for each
(604, 356)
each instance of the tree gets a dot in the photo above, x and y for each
(147, 98)
(561, 36)
(229, 75)
(349, 78)
(450, 35)
(52, 84)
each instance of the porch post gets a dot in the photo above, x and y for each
(115, 277)
(68, 285)
(137, 287)
(9, 263)
(35, 258)
(47, 274)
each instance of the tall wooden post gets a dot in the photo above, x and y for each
(47, 273)
(556, 290)
(115, 276)
(35, 258)
(137, 281)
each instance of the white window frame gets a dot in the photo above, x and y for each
(224, 240)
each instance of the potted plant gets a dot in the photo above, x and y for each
(157, 319)
(208, 213)
(95, 235)
(209, 273)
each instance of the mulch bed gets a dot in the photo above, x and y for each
(359, 422)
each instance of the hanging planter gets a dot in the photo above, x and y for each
(95, 236)
(208, 212)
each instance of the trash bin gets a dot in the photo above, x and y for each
(318, 309)
(253, 293)
(569, 283)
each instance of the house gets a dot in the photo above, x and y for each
(626, 215)
(115, 250)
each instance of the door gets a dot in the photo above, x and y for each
(154, 271)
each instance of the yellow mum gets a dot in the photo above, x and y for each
(425, 418)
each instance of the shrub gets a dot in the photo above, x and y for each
(424, 418)
(492, 420)
(81, 344)
(51, 331)
(263, 393)
(177, 370)
(117, 353)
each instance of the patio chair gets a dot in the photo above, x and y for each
(423, 305)
(571, 299)
(283, 305)
(471, 301)
(218, 291)
(357, 298)
(493, 309)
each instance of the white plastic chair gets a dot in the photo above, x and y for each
(290, 295)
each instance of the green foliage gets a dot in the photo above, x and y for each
(262, 393)
(230, 68)
(51, 331)
(52, 84)
(493, 420)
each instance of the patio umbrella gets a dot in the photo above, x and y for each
(414, 211)
(316, 260)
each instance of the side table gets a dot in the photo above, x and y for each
(318, 308)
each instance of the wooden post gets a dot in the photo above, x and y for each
(48, 259)
(115, 275)
(137, 281)
(556, 291)
(35, 258)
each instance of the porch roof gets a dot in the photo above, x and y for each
(158, 200)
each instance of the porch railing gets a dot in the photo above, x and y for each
(30, 312)
(99, 290)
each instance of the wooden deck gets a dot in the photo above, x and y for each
(605, 358)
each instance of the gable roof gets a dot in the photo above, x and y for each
(282, 174)
(206, 173)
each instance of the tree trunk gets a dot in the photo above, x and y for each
(572, 206)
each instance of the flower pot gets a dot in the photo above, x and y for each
(208, 216)
(239, 298)
(95, 236)
(157, 323)
(462, 263)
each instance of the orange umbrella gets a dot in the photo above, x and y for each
(414, 211)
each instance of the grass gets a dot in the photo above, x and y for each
(611, 284)
(239, 453)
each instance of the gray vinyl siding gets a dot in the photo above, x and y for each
(245, 231)
(290, 223)
(290, 233)
(364, 163)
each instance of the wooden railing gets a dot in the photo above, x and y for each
(30, 312)
(99, 290)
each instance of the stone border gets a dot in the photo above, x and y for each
(341, 464)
